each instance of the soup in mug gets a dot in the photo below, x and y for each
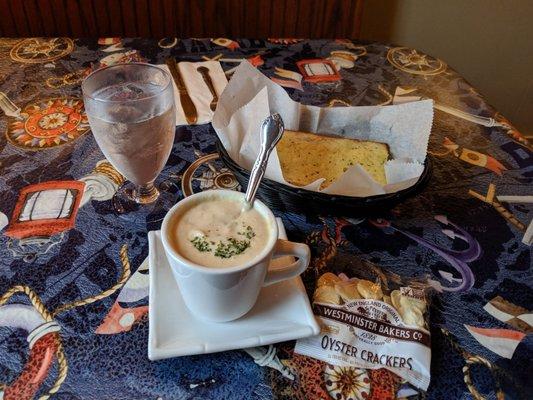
(218, 233)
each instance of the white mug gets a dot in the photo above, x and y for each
(225, 294)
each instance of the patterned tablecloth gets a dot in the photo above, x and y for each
(74, 285)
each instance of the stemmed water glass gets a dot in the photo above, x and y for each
(131, 113)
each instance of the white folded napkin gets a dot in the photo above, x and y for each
(197, 89)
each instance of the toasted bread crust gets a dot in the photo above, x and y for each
(306, 157)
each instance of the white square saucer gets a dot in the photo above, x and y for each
(282, 313)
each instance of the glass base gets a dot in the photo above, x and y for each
(143, 194)
(129, 197)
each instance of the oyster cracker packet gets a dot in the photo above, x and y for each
(372, 322)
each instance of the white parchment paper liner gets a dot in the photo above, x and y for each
(250, 97)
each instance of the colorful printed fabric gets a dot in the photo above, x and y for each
(73, 276)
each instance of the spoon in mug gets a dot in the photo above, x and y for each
(271, 130)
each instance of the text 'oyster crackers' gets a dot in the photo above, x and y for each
(372, 324)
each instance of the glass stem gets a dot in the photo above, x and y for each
(146, 193)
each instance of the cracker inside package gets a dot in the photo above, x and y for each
(380, 321)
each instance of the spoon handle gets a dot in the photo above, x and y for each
(271, 131)
(204, 71)
(256, 175)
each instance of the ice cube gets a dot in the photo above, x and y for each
(125, 113)
(119, 128)
(158, 79)
(133, 88)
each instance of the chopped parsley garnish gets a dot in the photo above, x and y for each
(248, 232)
(201, 244)
(225, 249)
(231, 248)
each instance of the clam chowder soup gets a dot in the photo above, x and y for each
(218, 233)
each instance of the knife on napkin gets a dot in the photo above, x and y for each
(186, 102)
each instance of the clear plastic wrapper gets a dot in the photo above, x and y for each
(377, 320)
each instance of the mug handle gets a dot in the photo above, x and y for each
(286, 248)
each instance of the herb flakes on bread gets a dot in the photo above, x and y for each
(306, 157)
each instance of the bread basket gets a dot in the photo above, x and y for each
(285, 198)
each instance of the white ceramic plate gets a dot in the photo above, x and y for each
(282, 313)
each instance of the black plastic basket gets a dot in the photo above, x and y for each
(288, 199)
